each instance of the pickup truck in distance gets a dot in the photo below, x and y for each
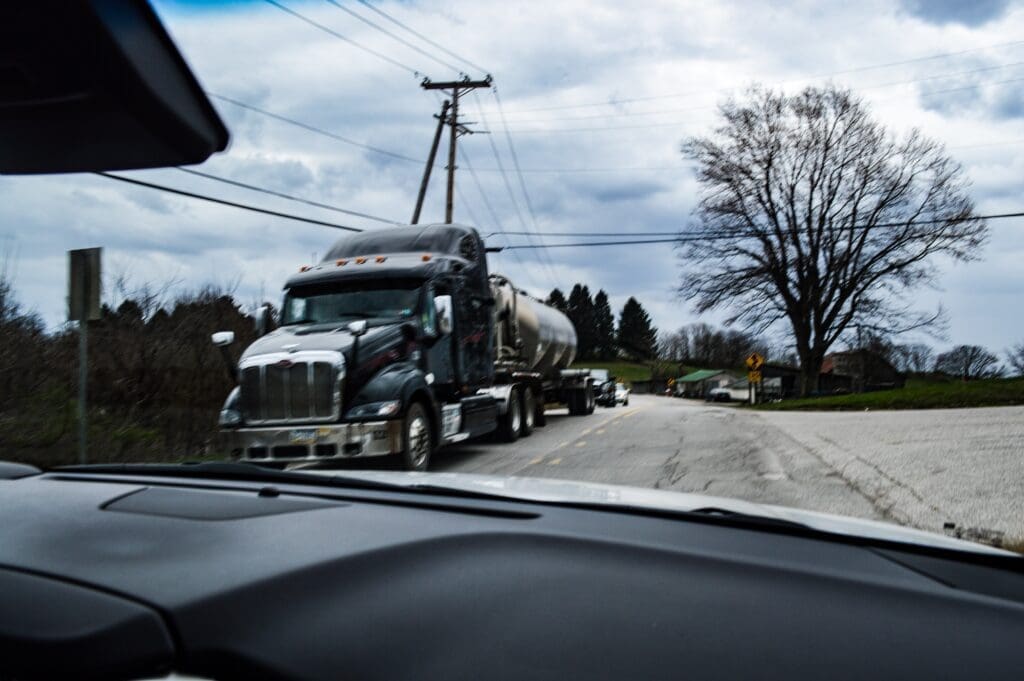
(399, 341)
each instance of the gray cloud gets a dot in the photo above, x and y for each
(966, 12)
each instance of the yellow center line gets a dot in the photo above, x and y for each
(537, 460)
(581, 443)
(554, 462)
(599, 431)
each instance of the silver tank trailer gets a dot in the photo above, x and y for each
(530, 333)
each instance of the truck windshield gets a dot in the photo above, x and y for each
(356, 300)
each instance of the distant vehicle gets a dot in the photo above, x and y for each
(719, 395)
(604, 387)
(395, 344)
(621, 394)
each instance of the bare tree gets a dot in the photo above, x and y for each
(1015, 358)
(969, 362)
(813, 215)
(915, 358)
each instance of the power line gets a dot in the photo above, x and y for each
(282, 195)
(380, 55)
(688, 237)
(313, 129)
(858, 69)
(224, 202)
(678, 124)
(422, 37)
(395, 37)
(876, 86)
(522, 182)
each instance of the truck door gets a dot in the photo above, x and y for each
(440, 355)
(474, 357)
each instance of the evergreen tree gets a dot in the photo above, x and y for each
(556, 299)
(638, 339)
(604, 322)
(581, 313)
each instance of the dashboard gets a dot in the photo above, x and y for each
(133, 576)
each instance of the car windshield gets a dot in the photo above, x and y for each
(326, 304)
(762, 252)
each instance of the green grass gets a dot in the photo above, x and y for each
(624, 371)
(919, 393)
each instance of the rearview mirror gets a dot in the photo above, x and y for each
(443, 307)
(222, 339)
(262, 320)
(96, 85)
(357, 328)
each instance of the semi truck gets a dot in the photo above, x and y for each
(398, 342)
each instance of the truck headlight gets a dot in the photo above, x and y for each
(389, 408)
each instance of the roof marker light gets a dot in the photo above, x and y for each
(305, 268)
(360, 260)
(426, 257)
(380, 258)
(340, 261)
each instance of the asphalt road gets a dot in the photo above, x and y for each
(921, 468)
(957, 471)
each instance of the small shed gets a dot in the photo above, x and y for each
(700, 383)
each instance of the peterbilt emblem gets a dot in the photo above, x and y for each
(284, 363)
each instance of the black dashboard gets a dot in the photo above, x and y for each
(132, 576)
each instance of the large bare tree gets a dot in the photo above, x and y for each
(812, 214)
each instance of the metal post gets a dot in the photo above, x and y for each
(430, 163)
(83, 372)
(454, 133)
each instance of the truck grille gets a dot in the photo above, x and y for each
(289, 391)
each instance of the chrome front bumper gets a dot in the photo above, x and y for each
(315, 442)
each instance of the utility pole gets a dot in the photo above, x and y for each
(457, 88)
(441, 121)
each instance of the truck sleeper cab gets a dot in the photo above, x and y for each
(392, 345)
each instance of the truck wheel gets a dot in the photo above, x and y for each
(511, 421)
(529, 410)
(418, 440)
(589, 401)
(577, 402)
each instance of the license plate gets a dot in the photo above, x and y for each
(306, 436)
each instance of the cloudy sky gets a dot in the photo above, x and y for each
(598, 97)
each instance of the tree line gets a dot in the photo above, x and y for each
(598, 336)
(155, 383)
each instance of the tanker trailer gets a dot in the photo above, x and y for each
(534, 344)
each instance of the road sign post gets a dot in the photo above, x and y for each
(83, 306)
(754, 363)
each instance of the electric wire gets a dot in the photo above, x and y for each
(271, 192)
(380, 55)
(224, 202)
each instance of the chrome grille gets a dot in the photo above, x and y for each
(279, 389)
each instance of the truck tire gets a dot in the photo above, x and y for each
(529, 411)
(590, 401)
(511, 422)
(577, 402)
(417, 440)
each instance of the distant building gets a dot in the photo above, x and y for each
(699, 383)
(857, 371)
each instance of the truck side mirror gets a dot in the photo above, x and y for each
(262, 320)
(222, 339)
(443, 306)
(357, 328)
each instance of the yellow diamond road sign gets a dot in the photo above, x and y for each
(754, 376)
(754, 361)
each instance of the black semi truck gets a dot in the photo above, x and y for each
(399, 342)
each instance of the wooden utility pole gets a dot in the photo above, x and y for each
(441, 120)
(457, 88)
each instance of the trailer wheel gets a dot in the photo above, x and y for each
(589, 401)
(418, 440)
(529, 410)
(511, 422)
